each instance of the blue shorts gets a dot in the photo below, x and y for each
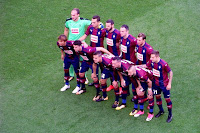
(85, 67)
(106, 74)
(157, 90)
(68, 62)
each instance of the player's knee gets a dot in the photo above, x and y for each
(158, 96)
(140, 91)
(95, 79)
(149, 96)
(81, 74)
(102, 81)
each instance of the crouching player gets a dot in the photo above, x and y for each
(162, 79)
(105, 62)
(143, 79)
(68, 55)
(121, 66)
(87, 54)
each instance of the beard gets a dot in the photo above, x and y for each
(110, 29)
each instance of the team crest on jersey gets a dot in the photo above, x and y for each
(113, 36)
(109, 41)
(94, 38)
(75, 30)
(127, 43)
(143, 50)
(159, 67)
(99, 33)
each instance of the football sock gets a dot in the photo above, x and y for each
(116, 93)
(151, 105)
(169, 105)
(159, 103)
(104, 87)
(141, 102)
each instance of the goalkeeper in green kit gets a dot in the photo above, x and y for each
(74, 29)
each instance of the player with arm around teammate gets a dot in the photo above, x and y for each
(87, 54)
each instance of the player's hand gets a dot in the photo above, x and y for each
(115, 84)
(168, 87)
(84, 44)
(123, 83)
(62, 57)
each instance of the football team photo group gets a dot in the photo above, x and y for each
(118, 60)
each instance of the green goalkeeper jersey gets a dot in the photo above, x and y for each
(76, 29)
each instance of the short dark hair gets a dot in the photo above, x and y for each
(99, 53)
(110, 21)
(62, 37)
(117, 58)
(142, 35)
(156, 52)
(77, 42)
(96, 17)
(77, 10)
(125, 26)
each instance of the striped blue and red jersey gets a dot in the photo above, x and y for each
(160, 72)
(96, 36)
(143, 53)
(125, 64)
(68, 49)
(128, 48)
(106, 62)
(112, 39)
(142, 74)
(87, 54)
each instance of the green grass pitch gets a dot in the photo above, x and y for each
(31, 72)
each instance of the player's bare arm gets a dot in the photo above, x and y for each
(83, 37)
(66, 31)
(104, 51)
(170, 80)
(94, 74)
(62, 55)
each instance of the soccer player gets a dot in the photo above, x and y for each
(87, 54)
(143, 50)
(105, 62)
(113, 38)
(69, 56)
(96, 33)
(143, 79)
(128, 44)
(122, 66)
(162, 80)
(74, 29)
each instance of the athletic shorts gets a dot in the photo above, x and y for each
(68, 62)
(157, 90)
(85, 67)
(106, 74)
